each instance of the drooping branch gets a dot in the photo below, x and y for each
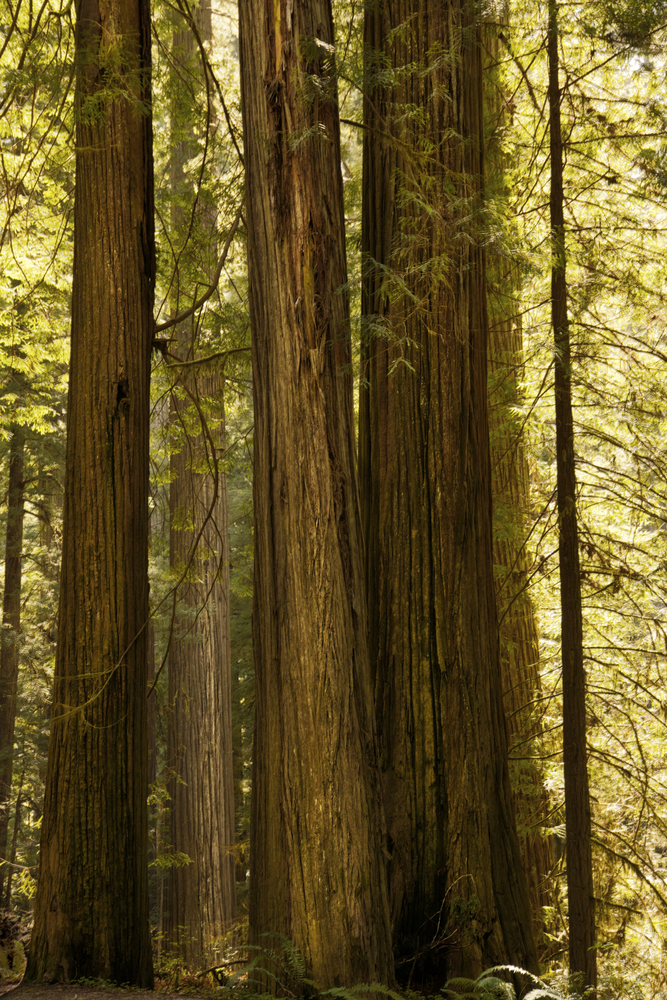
(177, 320)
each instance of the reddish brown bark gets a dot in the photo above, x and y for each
(519, 639)
(200, 899)
(11, 630)
(91, 911)
(201, 895)
(318, 869)
(458, 895)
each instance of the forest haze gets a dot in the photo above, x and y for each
(334, 568)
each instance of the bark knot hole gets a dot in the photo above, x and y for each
(123, 390)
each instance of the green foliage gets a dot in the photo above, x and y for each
(615, 242)
(277, 968)
(167, 859)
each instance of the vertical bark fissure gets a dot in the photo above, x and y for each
(11, 630)
(577, 801)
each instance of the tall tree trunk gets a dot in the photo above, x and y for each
(151, 701)
(239, 791)
(201, 896)
(458, 895)
(91, 911)
(12, 852)
(200, 903)
(577, 800)
(519, 640)
(318, 870)
(11, 629)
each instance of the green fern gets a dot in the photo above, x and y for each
(489, 986)
(354, 992)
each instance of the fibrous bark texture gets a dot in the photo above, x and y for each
(318, 870)
(11, 629)
(458, 895)
(201, 895)
(200, 903)
(519, 639)
(581, 910)
(91, 914)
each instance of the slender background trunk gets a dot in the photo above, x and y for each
(519, 639)
(200, 899)
(11, 630)
(577, 800)
(201, 895)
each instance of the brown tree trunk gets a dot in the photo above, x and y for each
(151, 701)
(458, 895)
(577, 801)
(12, 852)
(91, 911)
(11, 630)
(151, 706)
(200, 896)
(318, 869)
(519, 640)
(239, 741)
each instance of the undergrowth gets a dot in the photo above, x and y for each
(279, 970)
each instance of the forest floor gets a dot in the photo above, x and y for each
(80, 991)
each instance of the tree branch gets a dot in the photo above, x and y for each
(168, 324)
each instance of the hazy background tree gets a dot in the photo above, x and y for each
(11, 628)
(200, 903)
(519, 638)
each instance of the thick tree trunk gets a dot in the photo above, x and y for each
(519, 640)
(458, 895)
(577, 800)
(201, 896)
(91, 912)
(318, 869)
(11, 629)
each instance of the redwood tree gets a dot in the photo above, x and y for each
(519, 639)
(91, 911)
(201, 895)
(11, 628)
(200, 904)
(457, 890)
(318, 869)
